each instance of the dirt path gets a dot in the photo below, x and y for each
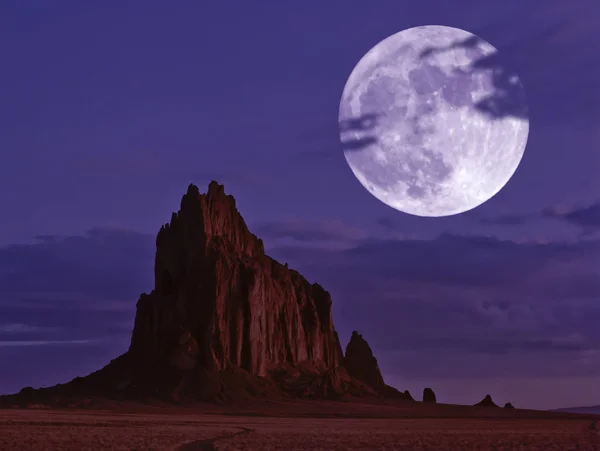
(209, 444)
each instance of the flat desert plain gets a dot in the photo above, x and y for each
(294, 427)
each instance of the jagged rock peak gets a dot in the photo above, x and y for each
(214, 190)
(219, 302)
(361, 363)
(203, 218)
(429, 395)
(487, 402)
(194, 191)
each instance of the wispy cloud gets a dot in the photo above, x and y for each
(508, 220)
(63, 290)
(471, 294)
(103, 264)
(314, 232)
(453, 293)
(21, 343)
(18, 328)
(586, 217)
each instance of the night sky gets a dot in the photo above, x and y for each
(108, 110)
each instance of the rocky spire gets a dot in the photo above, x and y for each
(361, 363)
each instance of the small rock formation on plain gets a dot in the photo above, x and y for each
(408, 396)
(361, 363)
(486, 402)
(429, 395)
(225, 319)
(508, 406)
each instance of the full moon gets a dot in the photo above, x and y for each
(431, 123)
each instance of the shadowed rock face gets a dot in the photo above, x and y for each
(508, 405)
(361, 363)
(428, 395)
(219, 301)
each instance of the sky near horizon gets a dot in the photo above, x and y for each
(109, 110)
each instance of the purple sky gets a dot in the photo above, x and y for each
(108, 112)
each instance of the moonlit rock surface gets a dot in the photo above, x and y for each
(411, 128)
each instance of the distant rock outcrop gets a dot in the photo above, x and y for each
(408, 396)
(429, 395)
(225, 319)
(361, 363)
(486, 402)
(508, 406)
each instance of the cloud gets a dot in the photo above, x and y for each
(310, 231)
(103, 264)
(72, 289)
(547, 45)
(474, 295)
(30, 363)
(390, 227)
(423, 299)
(68, 303)
(585, 217)
(495, 346)
(6, 344)
(388, 223)
(507, 220)
(17, 328)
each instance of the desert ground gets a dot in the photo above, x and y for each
(295, 427)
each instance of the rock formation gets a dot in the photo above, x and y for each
(408, 396)
(508, 406)
(225, 319)
(219, 301)
(486, 402)
(428, 395)
(361, 363)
